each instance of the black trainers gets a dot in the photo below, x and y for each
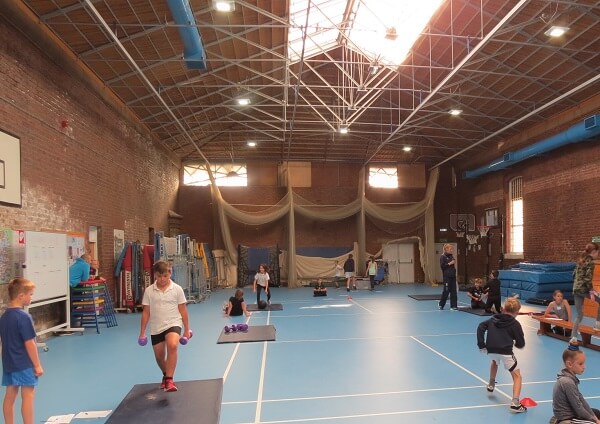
(517, 408)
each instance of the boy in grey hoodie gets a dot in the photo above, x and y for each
(504, 331)
(568, 404)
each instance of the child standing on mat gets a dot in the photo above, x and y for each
(237, 306)
(21, 364)
(492, 289)
(559, 308)
(165, 309)
(261, 282)
(476, 294)
(504, 331)
(583, 287)
(568, 404)
(447, 263)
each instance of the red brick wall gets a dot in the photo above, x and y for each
(106, 174)
(560, 194)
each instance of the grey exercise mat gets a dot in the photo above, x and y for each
(197, 401)
(272, 307)
(426, 296)
(480, 312)
(255, 333)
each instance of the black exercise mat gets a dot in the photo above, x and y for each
(480, 312)
(255, 333)
(197, 401)
(426, 296)
(271, 307)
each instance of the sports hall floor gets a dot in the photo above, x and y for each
(381, 357)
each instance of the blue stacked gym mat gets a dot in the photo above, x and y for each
(537, 280)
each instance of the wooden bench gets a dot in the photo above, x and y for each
(590, 310)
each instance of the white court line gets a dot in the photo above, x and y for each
(400, 392)
(261, 382)
(383, 414)
(368, 338)
(461, 367)
(233, 355)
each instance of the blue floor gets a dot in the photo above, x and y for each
(379, 357)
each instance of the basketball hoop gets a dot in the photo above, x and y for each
(472, 238)
(483, 230)
(460, 234)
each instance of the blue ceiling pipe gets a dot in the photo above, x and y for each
(590, 127)
(193, 50)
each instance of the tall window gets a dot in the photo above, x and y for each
(515, 193)
(226, 175)
(382, 177)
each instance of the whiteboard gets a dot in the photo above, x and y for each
(46, 264)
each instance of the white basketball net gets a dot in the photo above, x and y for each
(472, 238)
(483, 230)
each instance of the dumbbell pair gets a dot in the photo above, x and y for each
(236, 327)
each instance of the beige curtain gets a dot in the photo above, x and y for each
(361, 207)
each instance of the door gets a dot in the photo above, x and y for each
(400, 259)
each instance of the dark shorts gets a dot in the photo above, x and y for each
(19, 378)
(160, 338)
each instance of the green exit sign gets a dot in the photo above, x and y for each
(596, 239)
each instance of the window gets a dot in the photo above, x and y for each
(515, 193)
(382, 177)
(226, 175)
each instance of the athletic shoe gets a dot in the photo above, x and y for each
(348, 288)
(490, 387)
(170, 385)
(454, 309)
(353, 287)
(440, 307)
(162, 383)
(573, 341)
(517, 408)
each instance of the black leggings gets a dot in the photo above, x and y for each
(258, 290)
(496, 302)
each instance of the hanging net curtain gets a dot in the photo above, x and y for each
(360, 207)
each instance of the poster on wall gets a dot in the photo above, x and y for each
(75, 246)
(10, 170)
(119, 237)
(7, 263)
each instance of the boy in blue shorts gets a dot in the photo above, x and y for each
(21, 364)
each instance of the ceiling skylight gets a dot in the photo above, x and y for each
(384, 30)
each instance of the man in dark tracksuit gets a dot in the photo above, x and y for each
(447, 263)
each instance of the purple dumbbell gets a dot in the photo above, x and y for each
(184, 340)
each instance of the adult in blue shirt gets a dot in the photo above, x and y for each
(80, 270)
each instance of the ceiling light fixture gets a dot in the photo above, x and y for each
(224, 5)
(455, 112)
(556, 31)
(343, 129)
(407, 148)
(373, 69)
(251, 144)
(243, 101)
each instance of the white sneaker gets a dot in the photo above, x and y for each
(573, 340)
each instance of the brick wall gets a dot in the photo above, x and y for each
(102, 171)
(560, 195)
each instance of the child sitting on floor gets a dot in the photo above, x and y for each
(320, 289)
(476, 294)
